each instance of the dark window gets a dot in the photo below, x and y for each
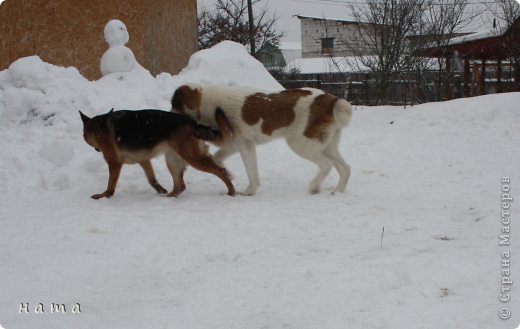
(327, 45)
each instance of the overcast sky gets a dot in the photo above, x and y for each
(285, 9)
(339, 9)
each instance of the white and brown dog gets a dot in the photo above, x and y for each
(310, 120)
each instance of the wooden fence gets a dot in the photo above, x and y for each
(397, 89)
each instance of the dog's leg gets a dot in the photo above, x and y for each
(114, 169)
(148, 170)
(248, 153)
(312, 151)
(325, 166)
(224, 153)
(194, 152)
(332, 152)
(176, 166)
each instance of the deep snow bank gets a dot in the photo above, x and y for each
(228, 63)
(428, 175)
(31, 89)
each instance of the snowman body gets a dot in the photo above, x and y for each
(118, 57)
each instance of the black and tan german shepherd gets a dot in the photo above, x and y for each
(138, 136)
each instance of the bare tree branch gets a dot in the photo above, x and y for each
(229, 21)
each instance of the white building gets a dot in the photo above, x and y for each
(323, 37)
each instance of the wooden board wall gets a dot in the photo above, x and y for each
(171, 33)
(163, 33)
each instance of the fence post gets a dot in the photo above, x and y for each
(447, 82)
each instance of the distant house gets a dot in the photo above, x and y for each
(322, 37)
(335, 45)
(271, 56)
(163, 33)
(291, 50)
(496, 51)
(331, 45)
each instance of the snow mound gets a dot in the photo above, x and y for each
(32, 90)
(132, 90)
(228, 63)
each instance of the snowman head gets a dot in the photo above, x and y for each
(116, 33)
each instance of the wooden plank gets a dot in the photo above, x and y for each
(447, 80)
(499, 76)
(466, 77)
(482, 80)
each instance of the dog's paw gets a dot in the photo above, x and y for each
(173, 194)
(250, 190)
(246, 193)
(160, 189)
(105, 194)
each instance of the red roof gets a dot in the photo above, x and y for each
(480, 46)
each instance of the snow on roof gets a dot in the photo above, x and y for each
(326, 18)
(325, 65)
(490, 32)
(478, 36)
(290, 45)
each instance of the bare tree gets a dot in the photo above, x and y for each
(229, 21)
(441, 22)
(401, 29)
(508, 14)
(391, 22)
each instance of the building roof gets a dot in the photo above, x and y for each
(325, 65)
(491, 44)
(345, 21)
(290, 45)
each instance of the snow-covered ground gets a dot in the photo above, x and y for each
(429, 175)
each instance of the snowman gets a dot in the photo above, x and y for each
(118, 57)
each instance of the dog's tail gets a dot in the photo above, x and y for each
(342, 112)
(224, 125)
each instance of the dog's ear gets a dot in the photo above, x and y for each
(176, 103)
(84, 118)
(110, 112)
(178, 99)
